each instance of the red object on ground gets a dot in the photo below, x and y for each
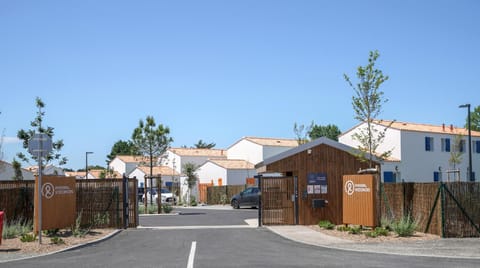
(1, 226)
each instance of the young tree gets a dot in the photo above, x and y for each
(122, 148)
(330, 131)
(37, 127)
(474, 119)
(17, 168)
(302, 132)
(456, 154)
(190, 169)
(367, 104)
(202, 145)
(151, 141)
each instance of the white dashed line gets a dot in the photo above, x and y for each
(191, 257)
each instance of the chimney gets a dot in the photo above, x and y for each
(451, 127)
(443, 126)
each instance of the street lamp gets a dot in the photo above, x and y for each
(86, 164)
(469, 142)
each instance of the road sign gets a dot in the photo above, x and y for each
(41, 144)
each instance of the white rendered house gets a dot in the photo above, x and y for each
(226, 171)
(124, 164)
(255, 150)
(175, 158)
(421, 152)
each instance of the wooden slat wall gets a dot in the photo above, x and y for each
(323, 158)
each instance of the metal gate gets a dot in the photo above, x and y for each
(278, 200)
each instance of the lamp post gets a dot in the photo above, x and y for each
(86, 164)
(470, 177)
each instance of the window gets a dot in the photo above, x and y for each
(437, 176)
(429, 144)
(445, 145)
(476, 147)
(389, 177)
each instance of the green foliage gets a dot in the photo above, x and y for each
(57, 240)
(381, 231)
(329, 131)
(190, 170)
(77, 229)
(26, 135)
(386, 224)
(343, 228)
(326, 225)
(455, 152)
(193, 201)
(16, 228)
(367, 104)
(51, 232)
(202, 145)
(406, 226)
(122, 148)
(474, 119)
(371, 234)
(224, 199)
(17, 167)
(355, 230)
(28, 237)
(167, 208)
(101, 219)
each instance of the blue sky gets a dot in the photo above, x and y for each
(221, 70)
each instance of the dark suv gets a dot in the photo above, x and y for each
(248, 197)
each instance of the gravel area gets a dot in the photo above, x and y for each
(17, 247)
(362, 238)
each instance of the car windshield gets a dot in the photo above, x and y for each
(165, 191)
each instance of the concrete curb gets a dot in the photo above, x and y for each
(66, 249)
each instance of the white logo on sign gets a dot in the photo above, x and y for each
(349, 187)
(48, 190)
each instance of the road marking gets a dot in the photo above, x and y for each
(192, 254)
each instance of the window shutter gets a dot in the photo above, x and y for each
(478, 147)
(447, 145)
(427, 144)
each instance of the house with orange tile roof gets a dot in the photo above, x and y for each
(175, 158)
(421, 152)
(226, 171)
(7, 172)
(124, 164)
(255, 149)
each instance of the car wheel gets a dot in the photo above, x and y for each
(235, 204)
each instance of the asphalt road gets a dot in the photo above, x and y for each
(238, 247)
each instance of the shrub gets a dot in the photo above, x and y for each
(355, 230)
(77, 229)
(381, 231)
(371, 234)
(51, 232)
(386, 223)
(28, 237)
(101, 219)
(405, 226)
(57, 240)
(343, 228)
(326, 225)
(167, 208)
(152, 209)
(16, 228)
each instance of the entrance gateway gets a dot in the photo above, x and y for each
(279, 200)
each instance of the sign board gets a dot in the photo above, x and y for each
(359, 200)
(317, 183)
(41, 144)
(59, 207)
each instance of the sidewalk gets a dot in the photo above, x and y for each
(447, 247)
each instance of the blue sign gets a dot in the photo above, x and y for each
(317, 178)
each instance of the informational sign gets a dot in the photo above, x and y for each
(317, 183)
(58, 202)
(40, 144)
(358, 200)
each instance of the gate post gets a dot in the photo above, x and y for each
(259, 178)
(295, 192)
(125, 201)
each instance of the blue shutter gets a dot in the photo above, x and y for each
(427, 144)
(436, 176)
(388, 176)
(478, 147)
(447, 145)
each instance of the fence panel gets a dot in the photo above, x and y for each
(223, 194)
(95, 199)
(462, 209)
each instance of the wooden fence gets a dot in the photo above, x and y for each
(445, 209)
(223, 194)
(95, 199)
